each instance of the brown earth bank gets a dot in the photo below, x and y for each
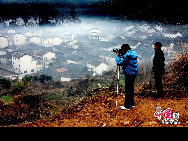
(97, 107)
(99, 110)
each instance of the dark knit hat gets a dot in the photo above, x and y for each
(158, 44)
(125, 47)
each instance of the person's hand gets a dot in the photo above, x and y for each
(117, 53)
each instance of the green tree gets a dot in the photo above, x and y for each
(44, 77)
(4, 83)
(19, 85)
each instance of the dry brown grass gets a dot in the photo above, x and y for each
(99, 110)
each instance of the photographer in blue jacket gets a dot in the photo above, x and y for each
(128, 60)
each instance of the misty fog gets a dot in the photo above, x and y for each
(85, 45)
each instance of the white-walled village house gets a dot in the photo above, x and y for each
(44, 58)
(19, 39)
(3, 42)
(23, 64)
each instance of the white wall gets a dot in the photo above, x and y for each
(19, 39)
(65, 79)
(15, 64)
(49, 56)
(35, 40)
(3, 42)
(24, 65)
(52, 42)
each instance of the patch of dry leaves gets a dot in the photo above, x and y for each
(99, 110)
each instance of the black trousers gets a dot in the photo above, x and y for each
(158, 85)
(129, 91)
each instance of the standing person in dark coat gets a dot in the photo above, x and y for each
(158, 68)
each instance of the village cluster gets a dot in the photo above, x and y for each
(65, 55)
(30, 53)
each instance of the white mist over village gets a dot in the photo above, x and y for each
(72, 50)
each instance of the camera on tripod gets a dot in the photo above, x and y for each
(119, 51)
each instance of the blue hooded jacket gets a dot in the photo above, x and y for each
(129, 63)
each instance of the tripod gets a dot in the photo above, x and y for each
(117, 70)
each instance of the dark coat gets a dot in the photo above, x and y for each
(158, 63)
